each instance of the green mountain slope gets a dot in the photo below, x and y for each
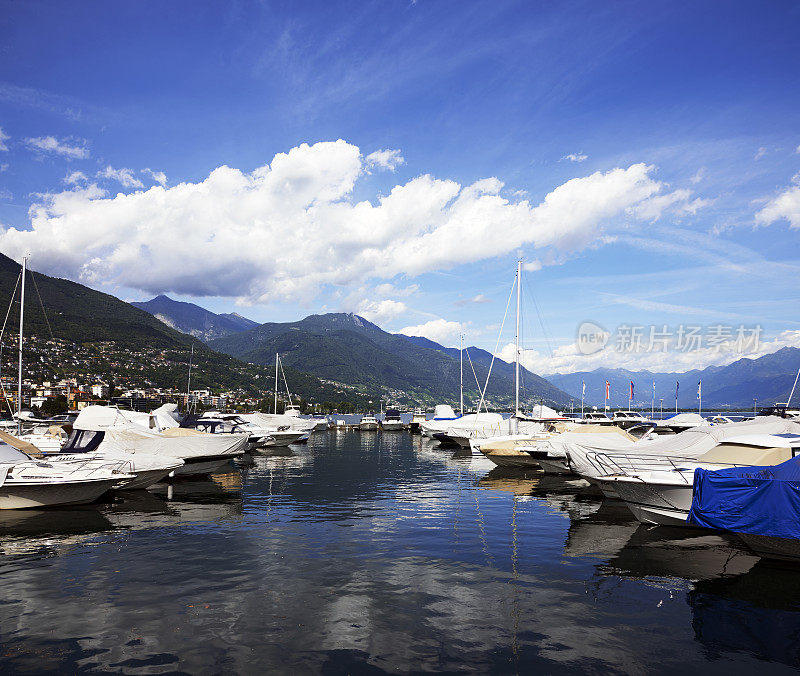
(348, 348)
(98, 336)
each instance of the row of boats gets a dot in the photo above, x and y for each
(683, 471)
(64, 462)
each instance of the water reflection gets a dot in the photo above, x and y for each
(380, 553)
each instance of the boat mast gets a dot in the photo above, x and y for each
(791, 394)
(189, 379)
(276, 384)
(21, 315)
(516, 351)
(461, 356)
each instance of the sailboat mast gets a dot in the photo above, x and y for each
(276, 384)
(461, 356)
(21, 315)
(516, 351)
(189, 378)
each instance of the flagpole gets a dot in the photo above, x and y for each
(700, 398)
(583, 393)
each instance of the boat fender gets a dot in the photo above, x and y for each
(3, 474)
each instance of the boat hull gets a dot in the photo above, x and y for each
(203, 465)
(145, 479)
(554, 465)
(653, 503)
(31, 496)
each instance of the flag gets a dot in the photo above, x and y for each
(654, 389)
(677, 385)
(606, 390)
(700, 389)
(631, 390)
(583, 389)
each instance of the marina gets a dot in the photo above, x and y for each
(372, 553)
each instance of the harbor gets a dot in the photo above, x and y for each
(377, 552)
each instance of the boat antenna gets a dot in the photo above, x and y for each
(461, 358)
(275, 409)
(516, 351)
(21, 318)
(189, 379)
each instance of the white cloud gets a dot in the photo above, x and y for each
(158, 176)
(476, 300)
(67, 148)
(123, 176)
(6, 194)
(679, 201)
(392, 290)
(569, 359)
(699, 176)
(797, 150)
(385, 159)
(532, 266)
(575, 157)
(75, 177)
(3, 138)
(290, 229)
(784, 206)
(3, 167)
(760, 153)
(378, 311)
(438, 330)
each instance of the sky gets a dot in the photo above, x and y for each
(395, 159)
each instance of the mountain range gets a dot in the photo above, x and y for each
(767, 379)
(347, 348)
(193, 319)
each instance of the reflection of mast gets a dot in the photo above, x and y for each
(516, 351)
(515, 609)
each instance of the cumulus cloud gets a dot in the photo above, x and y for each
(75, 177)
(3, 138)
(158, 176)
(378, 311)
(123, 176)
(438, 330)
(50, 144)
(385, 159)
(785, 206)
(569, 359)
(290, 229)
(575, 157)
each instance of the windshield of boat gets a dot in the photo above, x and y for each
(10, 454)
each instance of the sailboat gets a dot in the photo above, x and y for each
(27, 482)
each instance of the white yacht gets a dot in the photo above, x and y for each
(417, 419)
(629, 419)
(368, 423)
(392, 421)
(26, 482)
(110, 429)
(658, 487)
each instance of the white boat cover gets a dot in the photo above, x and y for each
(690, 444)
(684, 420)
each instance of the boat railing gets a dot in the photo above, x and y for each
(89, 467)
(629, 464)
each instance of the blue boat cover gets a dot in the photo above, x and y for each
(754, 500)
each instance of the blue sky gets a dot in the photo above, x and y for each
(552, 99)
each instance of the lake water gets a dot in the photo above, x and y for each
(371, 553)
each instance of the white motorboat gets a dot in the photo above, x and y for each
(138, 433)
(443, 416)
(417, 419)
(659, 489)
(681, 422)
(368, 423)
(26, 482)
(506, 451)
(630, 419)
(595, 418)
(392, 422)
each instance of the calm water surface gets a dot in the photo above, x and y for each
(365, 553)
